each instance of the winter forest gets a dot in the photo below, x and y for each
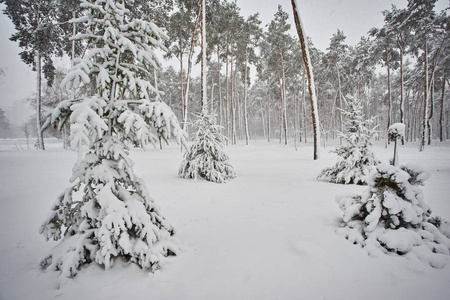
(179, 150)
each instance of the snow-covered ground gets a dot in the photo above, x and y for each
(268, 234)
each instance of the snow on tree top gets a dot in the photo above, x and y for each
(396, 130)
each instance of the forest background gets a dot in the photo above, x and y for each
(369, 66)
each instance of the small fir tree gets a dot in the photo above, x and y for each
(392, 216)
(206, 158)
(355, 158)
(106, 213)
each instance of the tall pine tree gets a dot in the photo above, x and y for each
(106, 212)
(206, 158)
(39, 37)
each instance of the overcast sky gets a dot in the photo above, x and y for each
(321, 19)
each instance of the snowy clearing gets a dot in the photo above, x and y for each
(268, 234)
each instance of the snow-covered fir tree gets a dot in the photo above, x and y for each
(392, 216)
(355, 157)
(206, 158)
(106, 212)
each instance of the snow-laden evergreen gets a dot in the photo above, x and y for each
(392, 216)
(355, 157)
(106, 212)
(206, 158)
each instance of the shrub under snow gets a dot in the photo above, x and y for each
(392, 216)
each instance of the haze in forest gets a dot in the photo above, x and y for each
(322, 19)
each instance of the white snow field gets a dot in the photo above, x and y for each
(268, 234)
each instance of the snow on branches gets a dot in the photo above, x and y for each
(140, 122)
(123, 49)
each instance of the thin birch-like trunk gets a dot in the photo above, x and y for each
(341, 121)
(188, 80)
(309, 73)
(389, 95)
(402, 105)
(283, 98)
(203, 65)
(219, 85)
(425, 101)
(227, 110)
(262, 117)
(245, 96)
(304, 109)
(268, 117)
(429, 125)
(441, 116)
(40, 135)
(183, 107)
(233, 101)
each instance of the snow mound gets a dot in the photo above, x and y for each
(391, 216)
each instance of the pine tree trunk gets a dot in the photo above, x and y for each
(155, 79)
(446, 119)
(219, 85)
(245, 96)
(395, 159)
(40, 136)
(295, 121)
(183, 107)
(268, 117)
(231, 100)
(311, 87)
(283, 98)
(300, 119)
(425, 100)
(211, 106)
(72, 62)
(239, 112)
(188, 80)
(407, 115)
(389, 95)
(234, 104)
(280, 116)
(402, 105)
(441, 117)
(429, 125)
(341, 121)
(304, 109)
(416, 113)
(227, 105)
(262, 118)
(203, 63)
